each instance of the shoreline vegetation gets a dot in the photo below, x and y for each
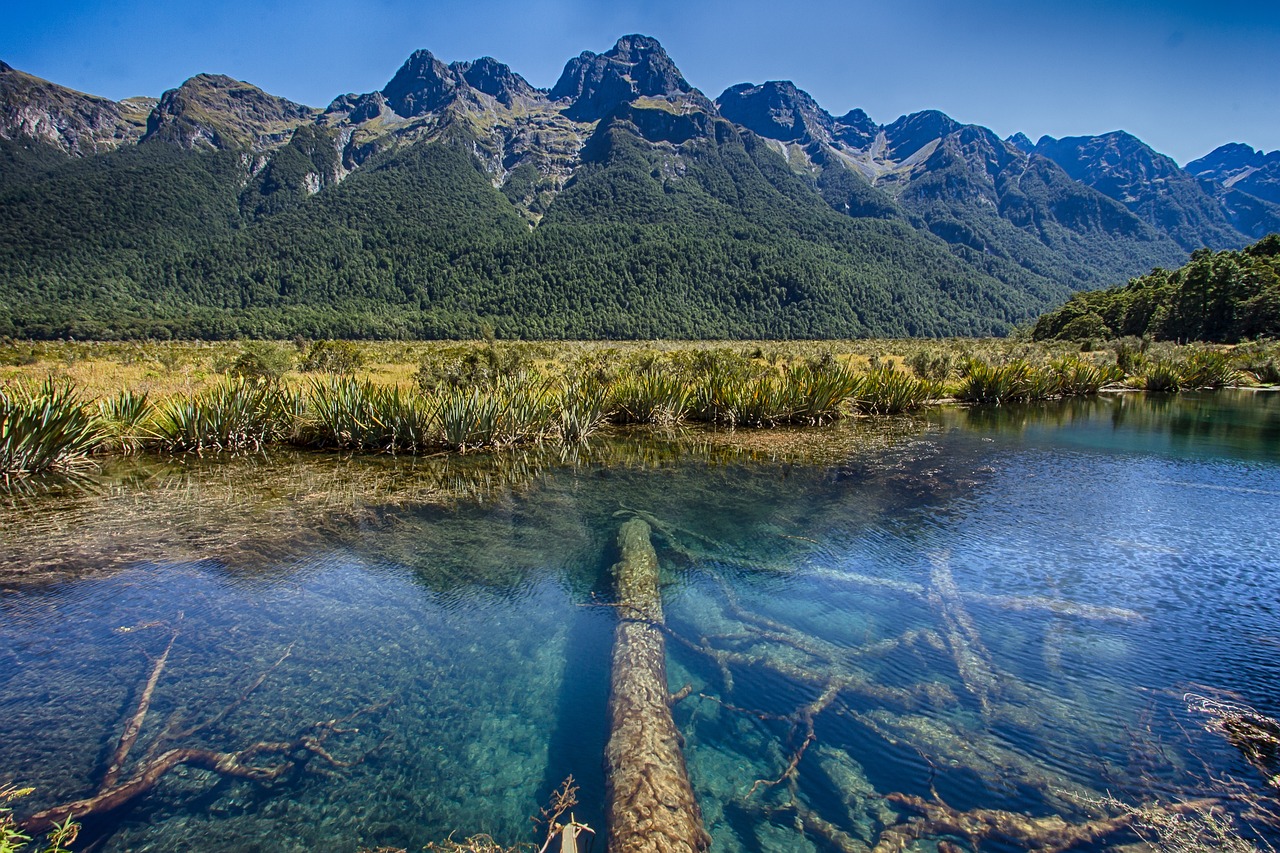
(64, 403)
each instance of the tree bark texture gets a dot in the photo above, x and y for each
(651, 807)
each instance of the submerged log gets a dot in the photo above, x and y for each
(651, 807)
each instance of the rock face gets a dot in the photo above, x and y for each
(776, 110)
(214, 111)
(1239, 167)
(1150, 184)
(77, 123)
(1022, 142)
(637, 66)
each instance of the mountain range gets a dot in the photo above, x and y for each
(623, 202)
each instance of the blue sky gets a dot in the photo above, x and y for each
(1184, 76)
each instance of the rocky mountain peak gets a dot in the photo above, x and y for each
(637, 66)
(495, 79)
(216, 111)
(1022, 142)
(422, 85)
(776, 109)
(77, 123)
(1239, 167)
(912, 132)
(1149, 183)
(1230, 158)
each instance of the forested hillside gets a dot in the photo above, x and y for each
(1222, 297)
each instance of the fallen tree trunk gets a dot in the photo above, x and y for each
(651, 807)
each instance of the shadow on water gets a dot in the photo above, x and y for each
(576, 745)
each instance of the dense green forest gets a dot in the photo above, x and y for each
(1223, 297)
(719, 240)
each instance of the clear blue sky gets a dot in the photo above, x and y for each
(1185, 76)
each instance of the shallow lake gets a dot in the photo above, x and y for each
(1011, 603)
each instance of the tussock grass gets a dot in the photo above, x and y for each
(44, 427)
(236, 414)
(888, 391)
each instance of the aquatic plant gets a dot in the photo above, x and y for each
(995, 384)
(340, 413)
(236, 414)
(1206, 368)
(44, 427)
(582, 407)
(1080, 378)
(819, 394)
(1161, 376)
(887, 391)
(650, 397)
(14, 840)
(350, 414)
(513, 411)
(123, 421)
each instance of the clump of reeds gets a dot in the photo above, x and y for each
(236, 414)
(734, 398)
(887, 391)
(583, 406)
(44, 427)
(995, 384)
(515, 410)
(1208, 368)
(124, 421)
(818, 392)
(1161, 375)
(649, 397)
(354, 415)
(1080, 378)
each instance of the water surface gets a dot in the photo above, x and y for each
(1013, 601)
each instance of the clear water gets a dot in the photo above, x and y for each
(1017, 600)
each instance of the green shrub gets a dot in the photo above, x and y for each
(1162, 376)
(261, 361)
(1079, 378)
(995, 383)
(650, 398)
(123, 419)
(340, 357)
(1208, 368)
(583, 407)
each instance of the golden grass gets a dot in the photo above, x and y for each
(164, 369)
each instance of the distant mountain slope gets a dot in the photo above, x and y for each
(985, 197)
(1241, 168)
(35, 109)
(1150, 184)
